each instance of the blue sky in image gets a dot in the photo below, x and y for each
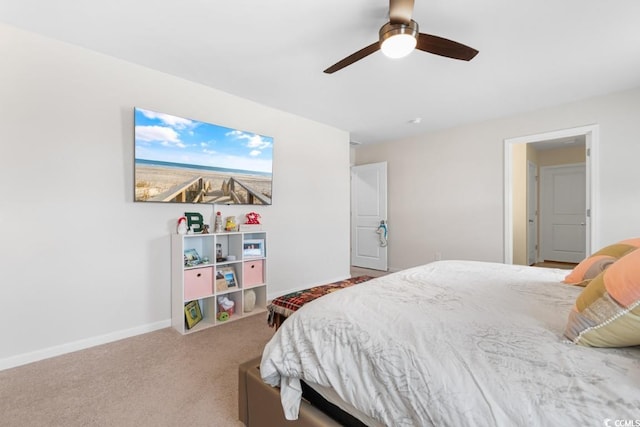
(167, 138)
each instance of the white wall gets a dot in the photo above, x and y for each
(80, 263)
(446, 188)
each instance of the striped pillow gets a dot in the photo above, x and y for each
(595, 264)
(607, 312)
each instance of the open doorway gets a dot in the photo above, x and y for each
(556, 150)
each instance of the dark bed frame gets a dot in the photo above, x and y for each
(259, 404)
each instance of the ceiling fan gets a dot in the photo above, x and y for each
(400, 36)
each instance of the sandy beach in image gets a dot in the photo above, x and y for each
(153, 182)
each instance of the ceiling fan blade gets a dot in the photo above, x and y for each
(353, 58)
(400, 11)
(445, 47)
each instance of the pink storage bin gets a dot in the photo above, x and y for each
(253, 273)
(198, 283)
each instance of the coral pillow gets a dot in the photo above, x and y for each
(607, 311)
(595, 264)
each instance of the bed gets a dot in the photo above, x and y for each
(452, 343)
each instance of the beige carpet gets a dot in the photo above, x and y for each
(555, 264)
(157, 379)
(359, 271)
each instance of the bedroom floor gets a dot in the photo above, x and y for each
(359, 271)
(556, 264)
(157, 379)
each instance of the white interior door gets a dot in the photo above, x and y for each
(563, 213)
(532, 213)
(368, 209)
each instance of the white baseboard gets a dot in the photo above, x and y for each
(34, 356)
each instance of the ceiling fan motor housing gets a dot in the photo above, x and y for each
(406, 32)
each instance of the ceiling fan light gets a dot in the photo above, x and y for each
(398, 46)
(398, 40)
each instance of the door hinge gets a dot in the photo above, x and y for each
(588, 152)
(588, 213)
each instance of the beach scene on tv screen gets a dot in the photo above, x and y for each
(187, 161)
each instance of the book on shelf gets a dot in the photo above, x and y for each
(192, 313)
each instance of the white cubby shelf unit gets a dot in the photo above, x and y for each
(228, 265)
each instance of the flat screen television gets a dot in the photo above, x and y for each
(180, 160)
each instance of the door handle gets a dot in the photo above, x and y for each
(382, 231)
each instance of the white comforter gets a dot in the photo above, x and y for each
(454, 343)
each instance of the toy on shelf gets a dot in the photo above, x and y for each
(182, 225)
(253, 218)
(217, 225)
(253, 222)
(231, 223)
(225, 303)
(226, 307)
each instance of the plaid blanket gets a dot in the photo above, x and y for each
(285, 305)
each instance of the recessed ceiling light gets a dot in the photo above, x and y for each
(415, 121)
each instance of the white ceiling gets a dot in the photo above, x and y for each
(533, 54)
